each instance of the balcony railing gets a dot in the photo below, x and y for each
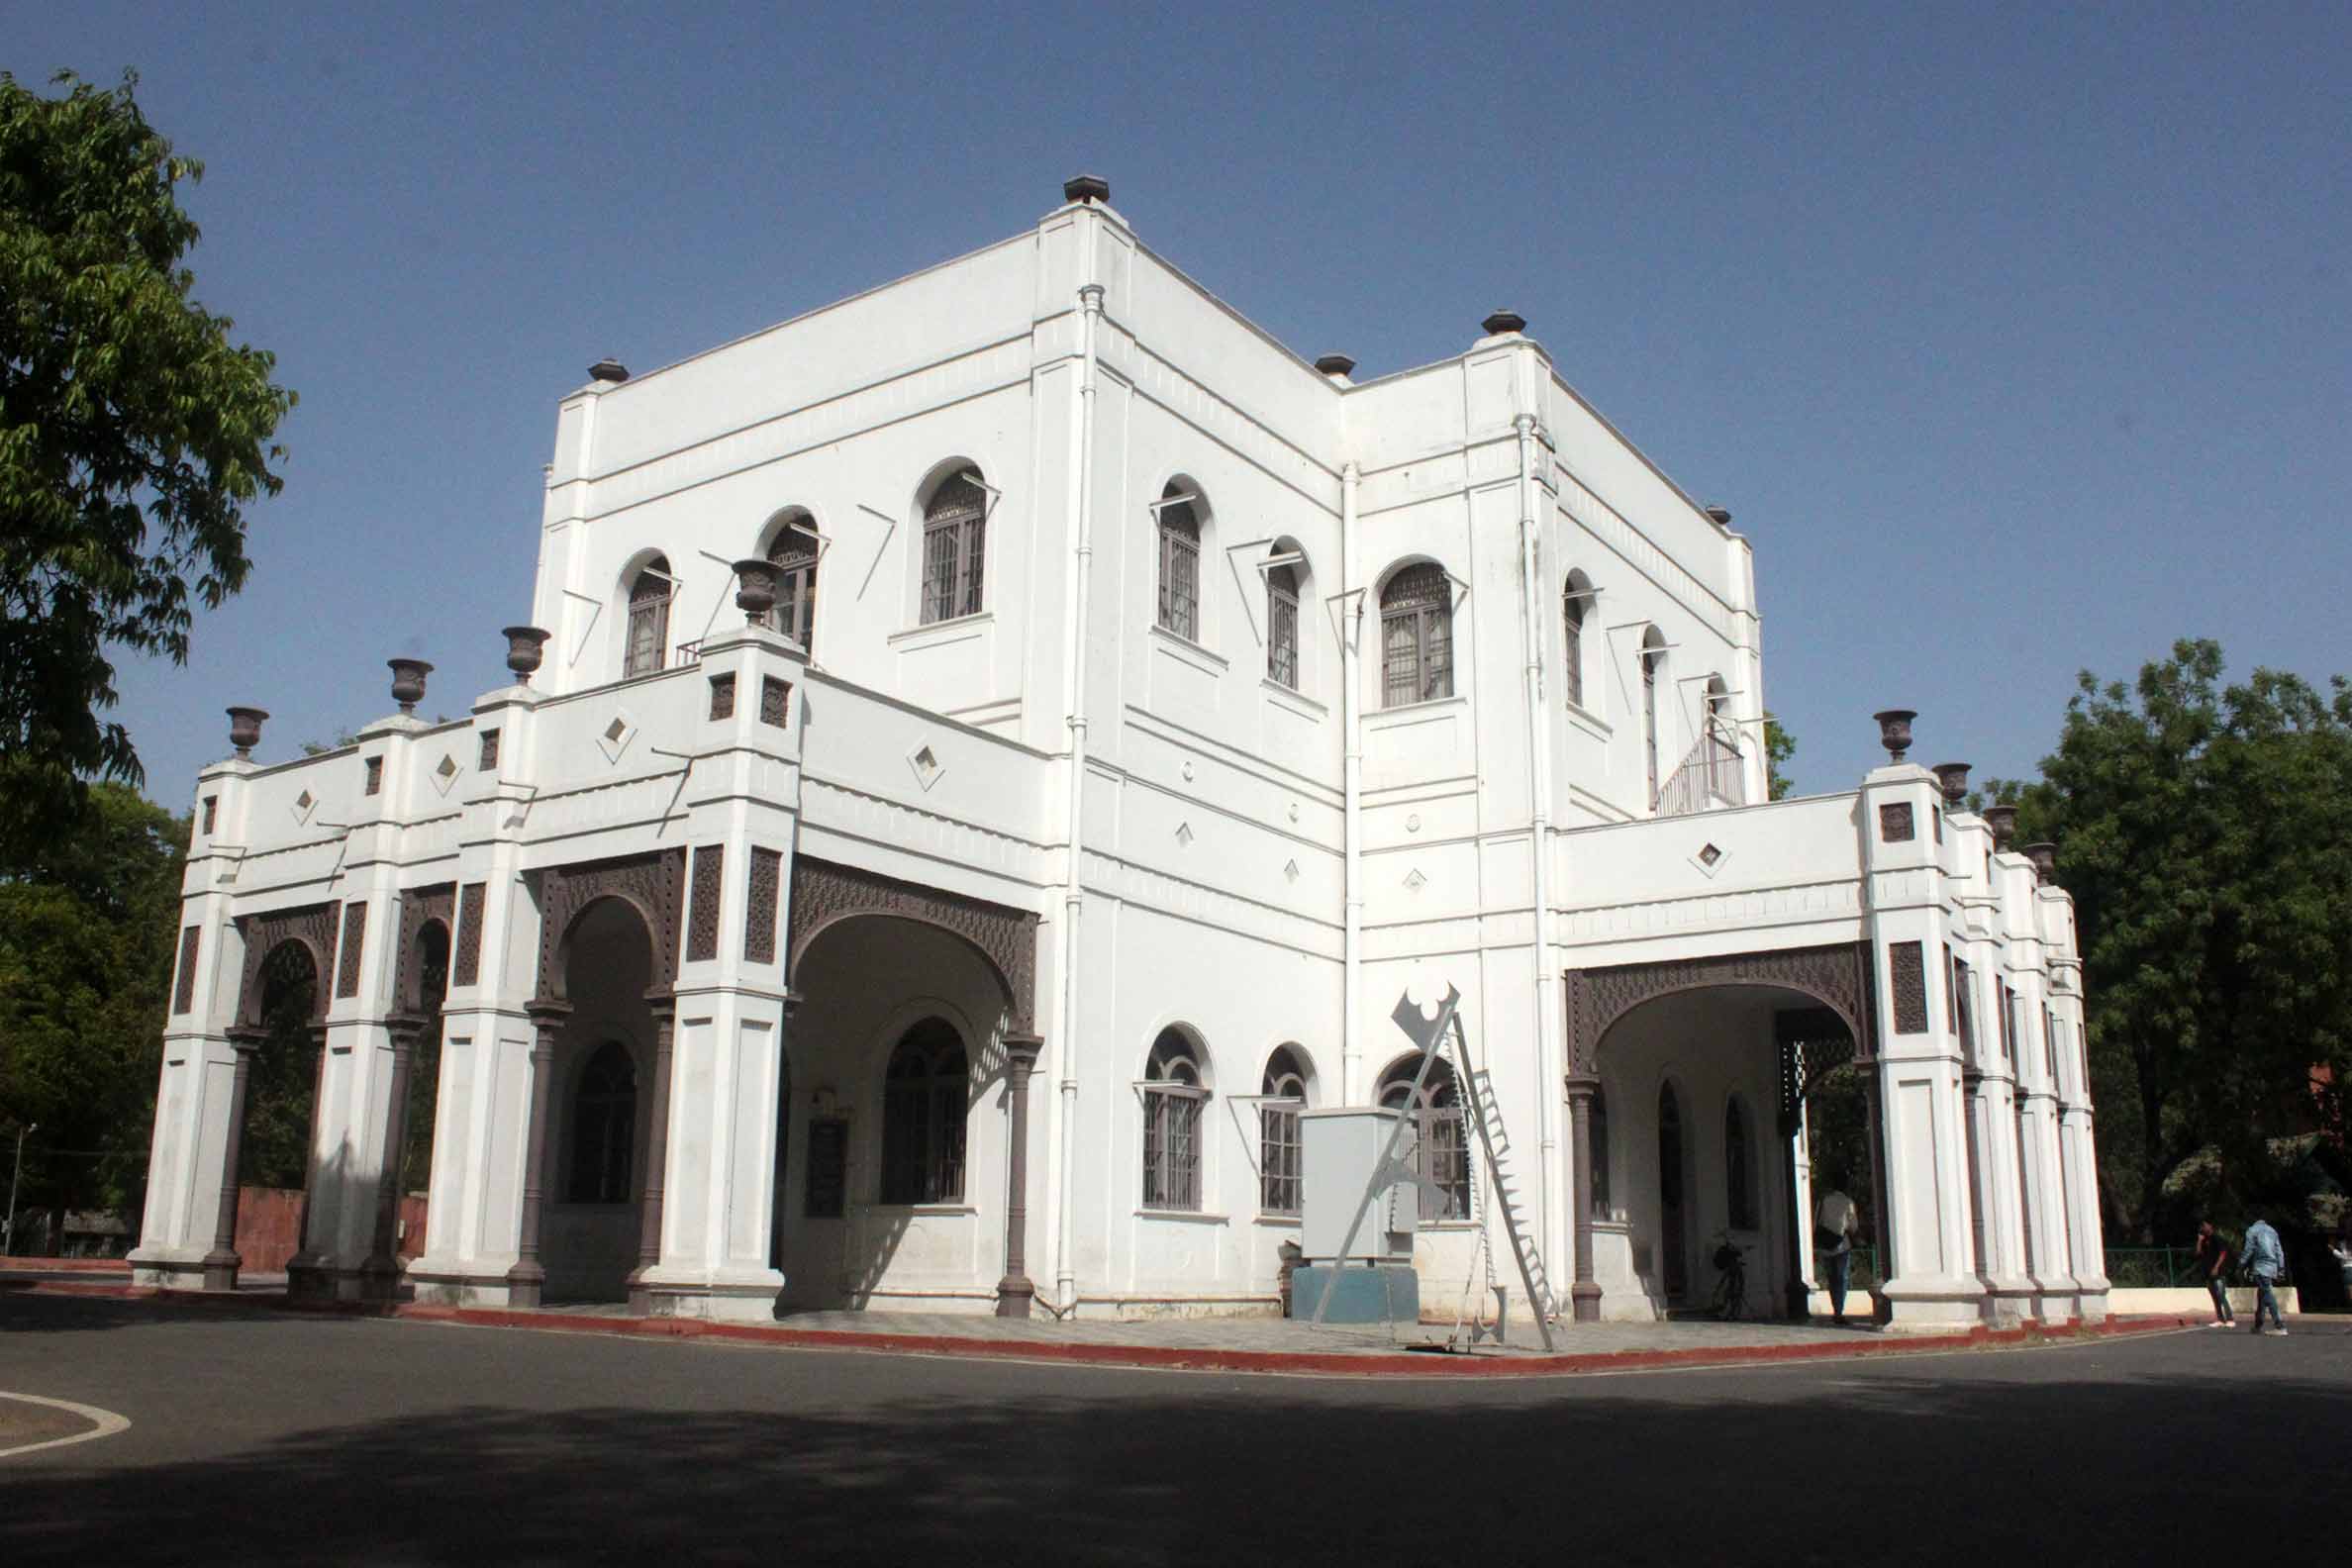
(1714, 775)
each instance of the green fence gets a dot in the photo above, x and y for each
(2130, 1268)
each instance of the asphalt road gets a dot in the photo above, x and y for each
(266, 1439)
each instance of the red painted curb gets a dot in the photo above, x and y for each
(1160, 1357)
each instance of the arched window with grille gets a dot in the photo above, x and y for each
(1441, 1146)
(793, 552)
(649, 596)
(1739, 1172)
(1285, 1096)
(1175, 1091)
(925, 1089)
(955, 547)
(1417, 635)
(1576, 598)
(1179, 531)
(604, 1126)
(1282, 625)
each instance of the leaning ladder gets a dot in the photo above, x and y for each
(1477, 1093)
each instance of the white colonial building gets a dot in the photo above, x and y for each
(1140, 710)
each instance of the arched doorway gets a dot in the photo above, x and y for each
(597, 1172)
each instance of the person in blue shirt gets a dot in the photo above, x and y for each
(2266, 1261)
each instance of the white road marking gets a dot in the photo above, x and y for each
(108, 1424)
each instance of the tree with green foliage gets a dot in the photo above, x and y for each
(2206, 834)
(1779, 746)
(87, 930)
(132, 436)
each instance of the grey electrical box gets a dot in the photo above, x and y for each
(1339, 1153)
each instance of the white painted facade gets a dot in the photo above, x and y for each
(1191, 843)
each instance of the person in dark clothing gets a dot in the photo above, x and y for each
(2212, 1266)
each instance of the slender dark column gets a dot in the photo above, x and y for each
(1799, 1298)
(526, 1277)
(665, 1017)
(222, 1262)
(1015, 1292)
(306, 1277)
(381, 1274)
(1874, 1135)
(1585, 1293)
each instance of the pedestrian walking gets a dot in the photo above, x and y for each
(2266, 1261)
(1834, 1238)
(2212, 1266)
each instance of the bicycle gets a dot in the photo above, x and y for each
(1731, 1293)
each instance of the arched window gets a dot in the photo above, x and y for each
(924, 1092)
(1440, 1148)
(649, 598)
(1173, 1094)
(1179, 527)
(1417, 635)
(1282, 625)
(794, 555)
(1285, 1091)
(954, 537)
(604, 1126)
(1575, 600)
(1597, 1162)
(1739, 1176)
(1653, 657)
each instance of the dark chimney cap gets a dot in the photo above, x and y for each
(608, 369)
(1086, 188)
(1334, 364)
(1503, 321)
(1722, 515)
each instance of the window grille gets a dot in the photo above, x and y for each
(794, 555)
(923, 1099)
(1282, 627)
(1572, 618)
(604, 1126)
(1172, 1101)
(1416, 636)
(1285, 1089)
(955, 530)
(648, 620)
(1739, 1191)
(1441, 1146)
(1180, 570)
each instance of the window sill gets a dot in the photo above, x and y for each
(1457, 700)
(1187, 1216)
(1279, 1222)
(1186, 648)
(939, 630)
(1450, 1227)
(1291, 698)
(1587, 719)
(922, 1210)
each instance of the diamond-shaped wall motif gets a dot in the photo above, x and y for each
(1290, 872)
(1184, 835)
(303, 805)
(614, 737)
(1414, 881)
(444, 773)
(927, 765)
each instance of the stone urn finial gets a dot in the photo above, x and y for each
(245, 731)
(2002, 820)
(1952, 779)
(2045, 862)
(526, 646)
(1894, 731)
(755, 589)
(408, 682)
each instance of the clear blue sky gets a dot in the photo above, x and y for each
(2016, 338)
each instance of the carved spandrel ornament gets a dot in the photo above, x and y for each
(701, 927)
(312, 926)
(1836, 976)
(466, 967)
(759, 918)
(655, 884)
(1895, 822)
(354, 947)
(183, 996)
(1906, 981)
(823, 893)
(419, 908)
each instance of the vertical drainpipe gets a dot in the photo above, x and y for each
(1090, 310)
(1548, 1068)
(1351, 626)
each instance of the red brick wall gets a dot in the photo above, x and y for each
(270, 1227)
